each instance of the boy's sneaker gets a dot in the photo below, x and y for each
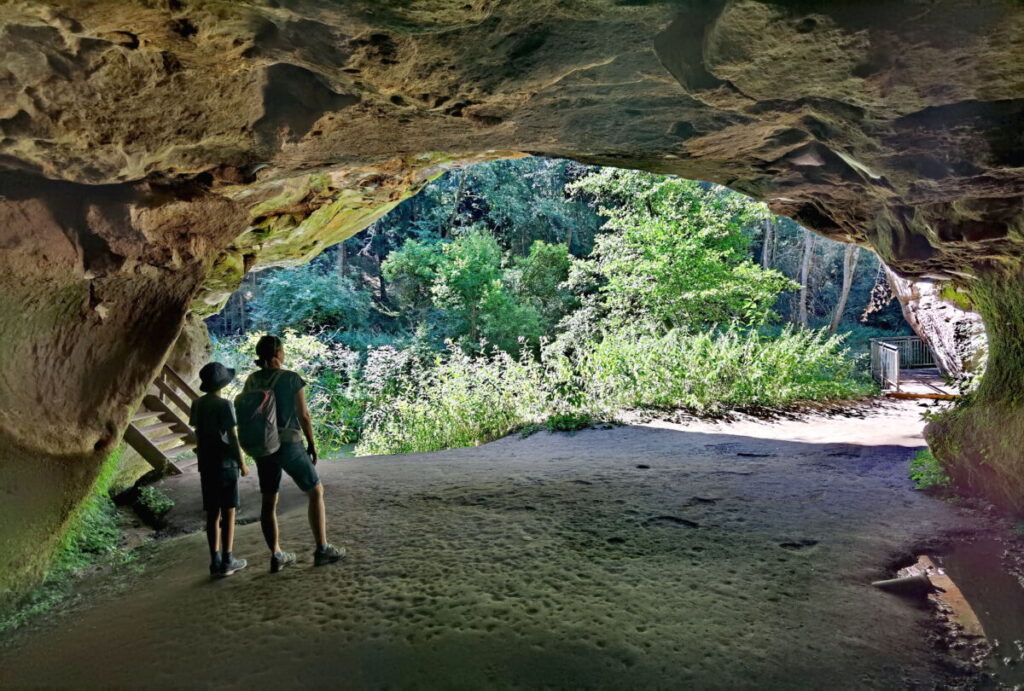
(215, 568)
(280, 560)
(228, 567)
(328, 554)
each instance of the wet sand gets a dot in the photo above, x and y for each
(651, 556)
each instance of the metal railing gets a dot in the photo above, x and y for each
(890, 355)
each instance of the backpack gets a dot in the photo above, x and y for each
(256, 410)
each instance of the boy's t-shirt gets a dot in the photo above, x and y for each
(212, 417)
(287, 385)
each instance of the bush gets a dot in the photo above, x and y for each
(568, 422)
(711, 372)
(155, 502)
(459, 401)
(926, 472)
(462, 400)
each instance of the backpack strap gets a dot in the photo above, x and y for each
(251, 384)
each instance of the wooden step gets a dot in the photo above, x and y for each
(144, 414)
(150, 430)
(186, 463)
(179, 450)
(168, 438)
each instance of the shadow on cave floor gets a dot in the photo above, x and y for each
(729, 555)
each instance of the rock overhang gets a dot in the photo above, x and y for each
(154, 151)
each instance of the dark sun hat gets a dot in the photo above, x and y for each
(215, 376)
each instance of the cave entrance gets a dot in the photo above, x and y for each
(517, 271)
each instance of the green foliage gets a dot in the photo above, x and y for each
(310, 297)
(463, 400)
(711, 372)
(540, 279)
(568, 422)
(559, 304)
(926, 472)
(155, 501)
(459, 401)
(679, 255)
(466, 284)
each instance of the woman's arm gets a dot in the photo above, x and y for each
(306, 421)
(233, 438)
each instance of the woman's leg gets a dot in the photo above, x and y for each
(268, 521)
(318, 515)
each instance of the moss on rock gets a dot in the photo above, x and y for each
(980, 441)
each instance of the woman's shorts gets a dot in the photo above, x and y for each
(220, 487)
(292, 459)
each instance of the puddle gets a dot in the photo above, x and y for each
(997, 599)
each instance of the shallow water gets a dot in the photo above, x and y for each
(996, 596)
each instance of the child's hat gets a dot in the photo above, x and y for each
(215, 376)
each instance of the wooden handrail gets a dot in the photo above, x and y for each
(167, 390)
(180, 382)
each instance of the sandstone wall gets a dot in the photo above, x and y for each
(152, 152)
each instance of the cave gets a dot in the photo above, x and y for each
(151, 154)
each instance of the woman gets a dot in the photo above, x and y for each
(299, 462)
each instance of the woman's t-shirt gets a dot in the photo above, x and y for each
(287, 385)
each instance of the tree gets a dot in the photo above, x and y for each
(465, 281)
(308, 297)
(679, 253)
(805, 273)
(850, 256)
(542, 275)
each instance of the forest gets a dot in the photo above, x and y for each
(516, 294)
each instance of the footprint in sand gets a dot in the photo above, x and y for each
(798, 545)
(670, 521)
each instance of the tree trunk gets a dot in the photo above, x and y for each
(383, 285)
(849, 268)
(805, 273)
(768, 238)
(446, 228)
(342, 256)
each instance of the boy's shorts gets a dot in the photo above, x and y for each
(292, 459)
(220, 487)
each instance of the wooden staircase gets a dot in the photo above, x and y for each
(159, 430)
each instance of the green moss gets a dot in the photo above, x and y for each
(950, 293)
(91, 536)
(978, 441)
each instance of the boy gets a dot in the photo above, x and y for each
(220, 462)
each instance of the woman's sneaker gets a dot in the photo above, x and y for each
(229, 566)
(328, 554)
(281, 560)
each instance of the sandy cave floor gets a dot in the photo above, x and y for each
(705, 555)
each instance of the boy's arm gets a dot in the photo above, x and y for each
(233, 438)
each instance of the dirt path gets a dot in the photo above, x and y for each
(659, 556)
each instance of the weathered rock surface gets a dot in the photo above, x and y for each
(150, 147)
(943, 317)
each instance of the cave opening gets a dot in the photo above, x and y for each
(540, 235)
(154, 156)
